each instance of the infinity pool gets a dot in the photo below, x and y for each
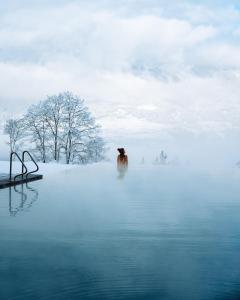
(87, 233)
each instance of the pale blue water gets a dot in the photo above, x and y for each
(159, 233)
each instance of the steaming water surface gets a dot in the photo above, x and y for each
(157, 233)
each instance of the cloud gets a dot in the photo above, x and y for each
(146, 68)
(102, 39)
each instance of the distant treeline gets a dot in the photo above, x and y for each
(60, 128)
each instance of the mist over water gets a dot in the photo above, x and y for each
(207, 151)
(160, 232)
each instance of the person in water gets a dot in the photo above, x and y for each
(122, 162)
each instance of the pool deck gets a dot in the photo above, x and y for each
(5, 182)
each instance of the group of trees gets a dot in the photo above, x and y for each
(59, 128)
(161, 159)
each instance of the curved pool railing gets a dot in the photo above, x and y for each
(11, 163)
(32, 159)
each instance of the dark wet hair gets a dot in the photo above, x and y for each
(121, 151)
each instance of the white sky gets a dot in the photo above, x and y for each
(144, 67)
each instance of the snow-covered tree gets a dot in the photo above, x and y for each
(163, 157)
(38, 131)
(60, 127)
(14, 128)
(79, 128)
(53, 113)
(95, 149)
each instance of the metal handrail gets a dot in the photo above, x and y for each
(33, 160)
(23, 166)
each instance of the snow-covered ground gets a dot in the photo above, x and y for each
(44, 169)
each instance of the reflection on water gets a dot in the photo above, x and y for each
(161, 233)
(122, 170)
(25, 199)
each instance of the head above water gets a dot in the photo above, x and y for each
(121, 151)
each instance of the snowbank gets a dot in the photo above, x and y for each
(44, 169)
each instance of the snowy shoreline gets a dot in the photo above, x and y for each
(44, 169)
